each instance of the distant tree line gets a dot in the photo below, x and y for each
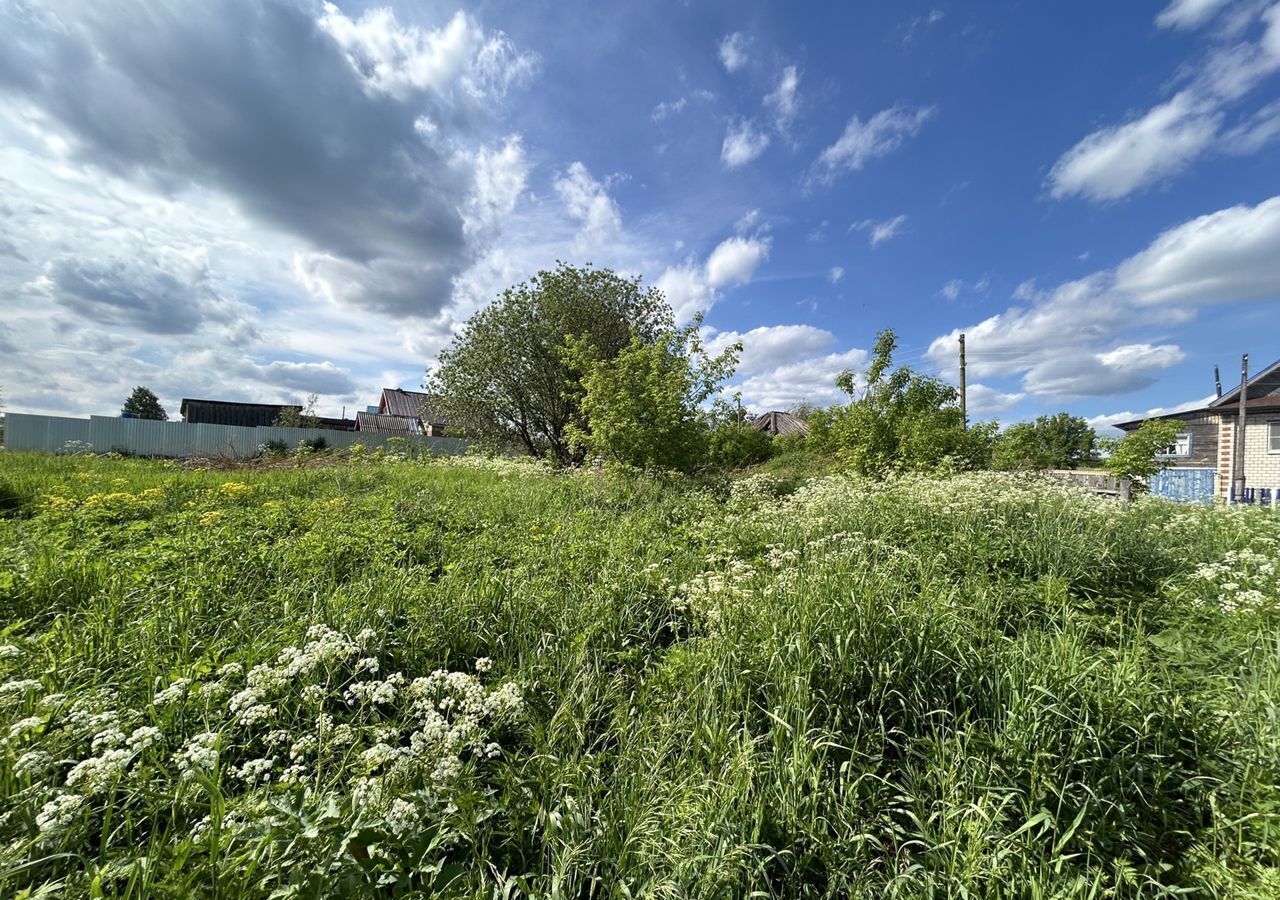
(580, 363)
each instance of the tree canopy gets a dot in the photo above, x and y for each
(1060, 441)
(1134, 455)
(644, 406)
(899, 420)
(506, 377)
(144, 404)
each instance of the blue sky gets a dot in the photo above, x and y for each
(259, 200)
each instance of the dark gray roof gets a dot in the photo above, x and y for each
(412, 404)
(366, 421)
(230, 412)
(1255, 381)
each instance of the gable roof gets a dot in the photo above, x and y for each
(1233, 395)
(384, 424)
(411, 404)
(1252, 404)
(778, 422)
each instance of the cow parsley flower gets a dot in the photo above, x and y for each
(199, 754)
(9, 651)
(97, 773)
(401, 816)
(30, 723)
(33, 763)
(110, 737)
(173, 693)
(59, 812)
(20, 688)
(256, 771)
(145, 737)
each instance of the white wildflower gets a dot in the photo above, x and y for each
(9, 651)
(256, 771)
(173, 693)
(111, 737)
(484, 664)
(231, 670)
(20, 688)
(199, 754)
(145, 737)
(377, 755)
(257, 714)
(368, 664)
(59, 812)
(33, 763)
(30, 723)
(97, 773)
(447, 770)
(401, 816)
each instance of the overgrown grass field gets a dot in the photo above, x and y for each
(482, 679)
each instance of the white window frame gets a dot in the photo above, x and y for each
(1273, 436)
(1173, 451)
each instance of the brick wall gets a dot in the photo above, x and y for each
(1261, 468)
(1226, 446)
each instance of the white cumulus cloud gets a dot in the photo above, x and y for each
(1116, 160)
(735, 260)
(733, 51)
(742, 143)
(879, 136)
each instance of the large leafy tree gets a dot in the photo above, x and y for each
(644, 407)
(899, 420)
(1060, 441)
(144, 404)
(506, 377)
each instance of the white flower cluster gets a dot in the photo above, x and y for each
(708, 596)
(298, 720)
(754, 490)
(1244, 580)
(59, 812)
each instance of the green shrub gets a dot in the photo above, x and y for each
(734, 446)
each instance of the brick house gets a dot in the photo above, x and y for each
(1202, 454)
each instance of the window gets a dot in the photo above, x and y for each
(1273, 437)
(1182, 447)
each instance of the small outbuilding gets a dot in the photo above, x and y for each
(415, 405)
(233, 412)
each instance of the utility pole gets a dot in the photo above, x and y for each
(964, 406)
(1217, 381)
(1238, 456)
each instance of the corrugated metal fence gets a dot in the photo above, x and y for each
(141, 437)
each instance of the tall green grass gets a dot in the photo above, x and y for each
(982, 686)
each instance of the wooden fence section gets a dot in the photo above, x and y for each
(142, 437)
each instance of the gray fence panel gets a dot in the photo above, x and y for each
(1184, 485)
(142, 437)
(47, 433)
